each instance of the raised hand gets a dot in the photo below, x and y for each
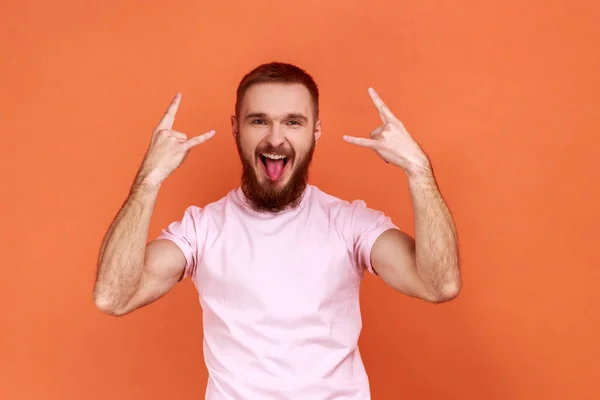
(168, 148)
(392, 142)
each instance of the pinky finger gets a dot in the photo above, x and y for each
(361, 141)
(196, 140)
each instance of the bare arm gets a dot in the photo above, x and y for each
(427, 266)
(132, 273)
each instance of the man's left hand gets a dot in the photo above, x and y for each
(392, 141)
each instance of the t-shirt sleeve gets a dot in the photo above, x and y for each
(366, 225)
(184, 233)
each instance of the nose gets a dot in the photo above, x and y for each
(275, 137)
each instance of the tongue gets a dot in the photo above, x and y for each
(274, 168)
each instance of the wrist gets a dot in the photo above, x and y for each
(420, 169)
(146, 182)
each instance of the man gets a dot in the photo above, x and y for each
(277, 262)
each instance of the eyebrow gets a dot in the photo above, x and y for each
(287, 116)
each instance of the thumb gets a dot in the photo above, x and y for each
(196, 140)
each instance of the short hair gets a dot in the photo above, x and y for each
(278, 72)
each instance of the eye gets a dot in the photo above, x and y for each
(294, 122)
(258, 121)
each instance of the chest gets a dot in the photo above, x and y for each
(279, 268)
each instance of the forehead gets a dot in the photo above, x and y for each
(277, 99)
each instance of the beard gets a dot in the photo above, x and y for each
(271, 196)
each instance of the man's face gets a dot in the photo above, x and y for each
(275, 133)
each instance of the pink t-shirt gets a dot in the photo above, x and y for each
(280, 294)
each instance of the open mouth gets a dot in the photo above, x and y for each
(274, 164)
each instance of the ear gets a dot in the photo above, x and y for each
(235, 129)
(317, 130)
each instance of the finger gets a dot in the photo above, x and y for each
(364, 142)
(376, 133)
(178, 135)
(384, 112)
(169, 117)
(195, 141)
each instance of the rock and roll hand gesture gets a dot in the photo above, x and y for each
(168, 147)
(392, 141)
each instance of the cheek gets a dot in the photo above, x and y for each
(248, 143)
(302, 147)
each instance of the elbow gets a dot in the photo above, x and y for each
(445, 289)
(448, 292)
(106, 306)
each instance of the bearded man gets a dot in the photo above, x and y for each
(278, 262)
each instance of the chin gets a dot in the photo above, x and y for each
(266, 194)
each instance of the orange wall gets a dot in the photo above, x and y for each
(503, 95)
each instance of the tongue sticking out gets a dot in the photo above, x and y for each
(274, 168)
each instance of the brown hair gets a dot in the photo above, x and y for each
(278, 72)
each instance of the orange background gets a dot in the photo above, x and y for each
(503, 95)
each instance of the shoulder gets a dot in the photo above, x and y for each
(211, 210)
(353, 219)
(337, 207)
(326, 200)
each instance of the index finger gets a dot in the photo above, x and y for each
(195, 141)
(384, 112)
(167, 120)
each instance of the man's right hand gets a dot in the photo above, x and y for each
(168, 148)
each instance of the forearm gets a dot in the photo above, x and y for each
(436, 247)
(121, 258)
